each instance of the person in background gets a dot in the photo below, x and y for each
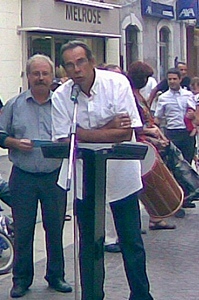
(114, 68)
(192, 115)
(173, 105)
(186, 177)
(25, 120)
(194, 85)
(163, 86)
(146, 91)
(103, 98)
(61, 74)
(138, 74)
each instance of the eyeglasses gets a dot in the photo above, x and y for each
(70, 66)
(40, 74)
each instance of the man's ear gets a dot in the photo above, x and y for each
(93, 61)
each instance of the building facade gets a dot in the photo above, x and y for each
(118, 31)
(10, 49)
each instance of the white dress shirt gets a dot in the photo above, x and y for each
(146, 91)
(173, 106)
(111, 94)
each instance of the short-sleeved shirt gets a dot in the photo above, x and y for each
(146, 90)
(24, 118)
(110, 95)
(196, 99)
(173, 106)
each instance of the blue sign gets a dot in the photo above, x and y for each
(157, 9)
(187, 9)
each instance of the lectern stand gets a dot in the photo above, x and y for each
(91, 210)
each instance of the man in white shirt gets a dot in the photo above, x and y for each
(173, 105)
(106, 113)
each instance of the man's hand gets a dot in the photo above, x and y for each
(155, 132)
(190, 114)
(120, 121)
(20, 144)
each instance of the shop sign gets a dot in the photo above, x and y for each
(83, 14)
(158, 8)
(187, 9)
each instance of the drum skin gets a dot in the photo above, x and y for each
(161, 195)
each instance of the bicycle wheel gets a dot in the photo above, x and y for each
(6, 253)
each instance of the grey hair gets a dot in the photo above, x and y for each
(39, 57)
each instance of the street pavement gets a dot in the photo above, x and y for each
(172, 260)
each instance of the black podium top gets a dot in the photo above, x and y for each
(125, 150)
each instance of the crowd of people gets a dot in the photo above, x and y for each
(113, 107)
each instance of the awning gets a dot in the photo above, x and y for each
(91, 3)
(52, 30)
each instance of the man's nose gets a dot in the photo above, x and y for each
(77, 68)
(41, 76)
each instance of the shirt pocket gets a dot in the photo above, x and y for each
(100, 115)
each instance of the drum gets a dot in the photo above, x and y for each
(161, 195)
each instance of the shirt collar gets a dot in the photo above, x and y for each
(29, 96)
(95, 83)
(179, 92)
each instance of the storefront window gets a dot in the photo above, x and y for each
(51, 44)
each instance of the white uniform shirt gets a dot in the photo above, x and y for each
(196, 99)
(146, 91)
(111, 94)
(173, 105)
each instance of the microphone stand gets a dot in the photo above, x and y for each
(72, 167)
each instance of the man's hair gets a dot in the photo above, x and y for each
(73, 45)
(175, 71)
(38, 57)
(194, 81)
(112, 67)
(180, 63)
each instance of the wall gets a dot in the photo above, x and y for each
(10, 48)
(148, 39)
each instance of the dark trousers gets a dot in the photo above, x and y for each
(26, 189)
(183, 141)
(126, 216)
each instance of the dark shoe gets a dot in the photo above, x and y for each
(160, 225)
(143, 231)
(188, 205)
(180, 213)
(113, 248)
(18, 291)
(60, 285)
(192, 196)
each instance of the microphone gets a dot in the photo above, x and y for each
(75, 92)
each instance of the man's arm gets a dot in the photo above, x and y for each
(103, 135)
(115, 131)
(152, 95)
(157, 121)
